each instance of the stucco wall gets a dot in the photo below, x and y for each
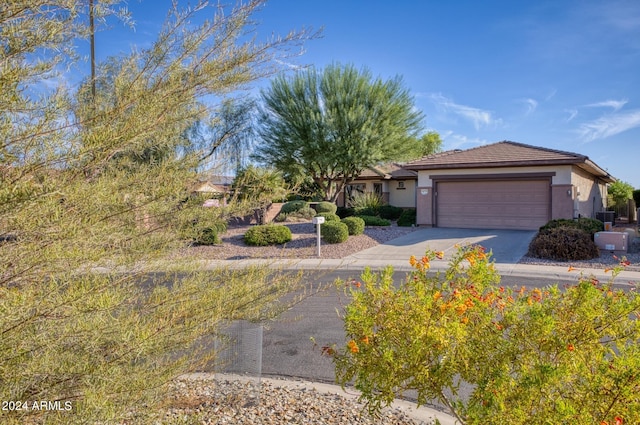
(399, 197)
(589, 194)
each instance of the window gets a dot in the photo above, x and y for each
(401, 184)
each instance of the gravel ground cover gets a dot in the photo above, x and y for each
(208, 401)
(303, 244)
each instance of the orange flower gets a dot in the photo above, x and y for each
(365, 340)
(461, 309)
(570, 347)
(571, 268)
(608, 269)
(618, 420)
(437, 295)
(357, 284)
(353, 347)
(439, 255)
(465, 320)
(412, 260)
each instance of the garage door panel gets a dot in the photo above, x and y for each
(516, 204)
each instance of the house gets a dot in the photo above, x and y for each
(213, 186)
(395, 185)
(506, 185)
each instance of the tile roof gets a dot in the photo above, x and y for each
(504, 154)
(387, 171)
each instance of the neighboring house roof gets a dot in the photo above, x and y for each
(208, 187)
(391, 171)
(506, 154)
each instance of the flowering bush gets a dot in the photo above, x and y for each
(552, 355)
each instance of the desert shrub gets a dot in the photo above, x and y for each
(306, 213)
(345, 212)
(589, 225)
(281, 217)
(371, 211)
(354, 224)
(293, 206)
(390, 212)
(326, 207)
(512, 347)
(207, 236)
(329, 216)
(268, 234)
(367, 203)
(372, 220)
(564, 244)
(407, 218)
(334, 232)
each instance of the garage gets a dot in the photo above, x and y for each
(493, 204)
(506, 185)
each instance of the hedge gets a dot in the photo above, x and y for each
(268, 234)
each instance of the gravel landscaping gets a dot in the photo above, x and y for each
(208, 401)
(303, 244)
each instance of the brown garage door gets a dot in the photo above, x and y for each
(493, 204)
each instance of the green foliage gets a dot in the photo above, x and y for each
(293, 206)
(354, 224)
(368, 203)
(389, 212)
(588, 225)
(326, 207)
(305, 213)
(407, 218)
(208, 236)
(334, 232)
(329, 216)
(94, 189)
(493, 355)
(372, 220)
(345, 212)
(267, 234)
(429, 143)
(333, 124)
(619, 193)
(564, 244)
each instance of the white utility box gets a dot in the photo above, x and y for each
(612, 241)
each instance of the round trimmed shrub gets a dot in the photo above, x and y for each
(588, 225)
(293, 206)
(390, 212)
(407, 218)
(267, 234)
(334, 232)
(372, 220)
(563, 244)
(354, 224)
(326, 207)
(306, 213)
(329, 216)
(207, 236)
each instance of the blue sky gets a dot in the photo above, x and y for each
(560, 74)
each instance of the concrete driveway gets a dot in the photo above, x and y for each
(507, 246)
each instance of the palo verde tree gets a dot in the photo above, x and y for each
(92, 188)
(331, 125)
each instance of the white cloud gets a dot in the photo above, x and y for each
(289, 65)
(615, 104)
(531, 105)
(572, 114)
(609, 125)
(478, 117)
